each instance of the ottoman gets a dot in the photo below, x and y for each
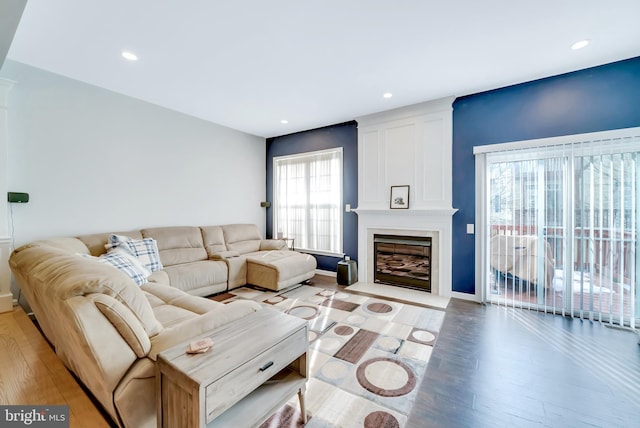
(276, 270)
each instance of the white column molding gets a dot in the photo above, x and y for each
(6, 298)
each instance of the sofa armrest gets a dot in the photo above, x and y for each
(221, 255)
(200, 326)
(125, 322)
(273, 244)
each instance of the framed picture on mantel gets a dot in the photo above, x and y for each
(399, 198)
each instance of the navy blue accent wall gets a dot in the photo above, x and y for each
(595, 99)
(344, 135)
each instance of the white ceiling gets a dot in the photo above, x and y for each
(249, 64)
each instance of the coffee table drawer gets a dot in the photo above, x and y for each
(232, 387)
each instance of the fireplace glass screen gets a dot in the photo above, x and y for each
(403, 260)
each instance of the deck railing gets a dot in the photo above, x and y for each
(610, 253)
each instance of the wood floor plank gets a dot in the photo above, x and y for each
(493, 366)
(31, 373)
(36, 372)
(14, 371)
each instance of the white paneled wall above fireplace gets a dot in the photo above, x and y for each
(408, 146)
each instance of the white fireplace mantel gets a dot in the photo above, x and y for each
(432, 223)
(408, 146)
(428, 212)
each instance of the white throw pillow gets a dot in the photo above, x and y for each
(125, 263)
(146, 250)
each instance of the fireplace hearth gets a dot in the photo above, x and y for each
(403, 261)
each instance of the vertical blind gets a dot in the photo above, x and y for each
(308, 200)
(561, 226)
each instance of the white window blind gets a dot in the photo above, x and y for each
(308, 200)
(560, 225)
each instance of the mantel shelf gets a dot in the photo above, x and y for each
(433, 212)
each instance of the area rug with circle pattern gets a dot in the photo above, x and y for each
(367, 356)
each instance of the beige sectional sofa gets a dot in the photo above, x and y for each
(210, 259)
(107, 329)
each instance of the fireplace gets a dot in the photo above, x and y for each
(407, 146)
(403, 260)
(371, 223)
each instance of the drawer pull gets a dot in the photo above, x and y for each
(266, 366)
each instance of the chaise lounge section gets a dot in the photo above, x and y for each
(268, 263)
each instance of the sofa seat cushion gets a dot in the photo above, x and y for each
(192, 276)
(159, 277)
(169, 315)
(172, 307)
(200, 325)
(164, 294)
(276, 270)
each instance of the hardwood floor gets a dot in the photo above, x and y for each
(499, 367)
(32, 374)
(491, 367)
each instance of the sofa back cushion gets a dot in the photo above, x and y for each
(243, 238)
(71, 245)
(177, 245)
(213, 238)
(96, 242)
(55, 275)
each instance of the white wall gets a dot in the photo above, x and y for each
(5, 88)
(6, 298)
(96, 161)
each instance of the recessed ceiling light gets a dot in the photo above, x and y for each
(387, 95)
(129, 55)
(579, 44)
(284, 121)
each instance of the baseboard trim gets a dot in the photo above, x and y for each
(466, 296)
(6, 302)
(326, 273)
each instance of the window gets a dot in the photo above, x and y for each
(307, 193)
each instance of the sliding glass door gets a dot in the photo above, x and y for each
(526, 211)
(559, 228)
